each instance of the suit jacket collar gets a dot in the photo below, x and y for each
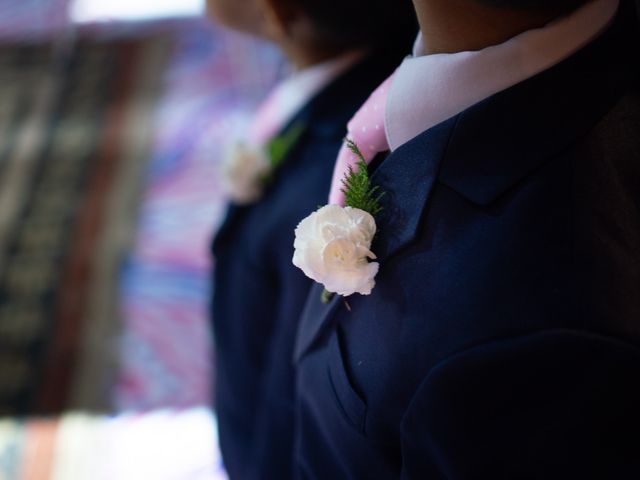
(544, 114)
(530, 123)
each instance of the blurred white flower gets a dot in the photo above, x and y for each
(244, 169)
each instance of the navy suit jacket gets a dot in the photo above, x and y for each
(259, 294)
(502, 339)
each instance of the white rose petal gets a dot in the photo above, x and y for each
(332, 247)
(243, 167)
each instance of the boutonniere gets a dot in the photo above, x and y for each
(333, 245)
(247, 169)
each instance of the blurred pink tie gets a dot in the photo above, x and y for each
(266, 121)
(366, 130)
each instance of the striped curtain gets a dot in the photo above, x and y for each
(28, 19)
(75, 130)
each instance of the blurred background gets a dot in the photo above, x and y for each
(112, 117)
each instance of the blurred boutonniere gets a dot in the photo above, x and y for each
(247, 169)
(333, 245)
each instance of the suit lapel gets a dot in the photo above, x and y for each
(231, 216)
(314, 319)
(407, 177)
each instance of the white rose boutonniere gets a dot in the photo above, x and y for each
(333, 245)
(247, 169)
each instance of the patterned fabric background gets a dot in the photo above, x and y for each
(110, 137)
(214, 80)
(74, 137)
(79, 121)
(32, 19)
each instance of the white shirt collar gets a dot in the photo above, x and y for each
(294, 92)
(426, 90)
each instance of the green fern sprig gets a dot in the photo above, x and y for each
(358, 193)
(357, 188)
(279, 148)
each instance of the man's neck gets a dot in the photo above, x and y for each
(304, 57)
(450, 26)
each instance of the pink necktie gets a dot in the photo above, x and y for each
(366, 130)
